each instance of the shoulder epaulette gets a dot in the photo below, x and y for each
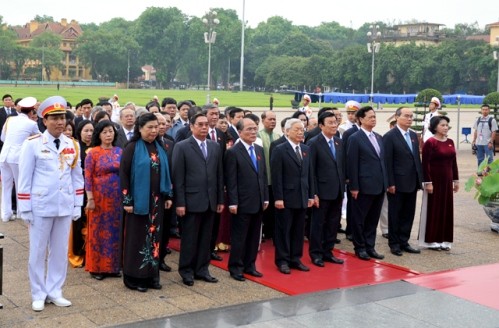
(35, 136)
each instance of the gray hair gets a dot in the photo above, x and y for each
(291, 122)
(139, 111)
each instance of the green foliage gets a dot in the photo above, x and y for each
(487, 183)
(424, 96)
(492, 99)
(46, 49)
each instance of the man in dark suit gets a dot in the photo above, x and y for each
(235, 115)
(368, 183)
(185, 132)
(6, 111)
(346, 135)
(246, 182)
(86, 108)
(125, 132)
(405, 177)
(293, 189)
(328, 167)
(317, 130)
(198, 189)
(212, 112)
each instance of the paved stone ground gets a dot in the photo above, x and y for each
(108, 302)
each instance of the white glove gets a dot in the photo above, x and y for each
(76, 213)
(27, 217)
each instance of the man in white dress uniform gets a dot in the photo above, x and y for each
(50, 196)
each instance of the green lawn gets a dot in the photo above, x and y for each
(141, 97)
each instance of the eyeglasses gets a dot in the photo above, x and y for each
(251, 129)
(201, 124)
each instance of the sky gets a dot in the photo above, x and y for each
(348, 13)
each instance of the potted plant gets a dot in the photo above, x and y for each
(486, 183)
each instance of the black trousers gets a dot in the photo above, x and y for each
(165, 233)
(269, 217)
(289, 235)
(365, 217)
(214, 232)
(324, 227)
(244, 240)
(401, 210)
(195, 244)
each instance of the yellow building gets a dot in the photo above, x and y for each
(494, 34)
(419, 33)
(72, 69)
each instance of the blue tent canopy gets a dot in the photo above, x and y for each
(386, 98)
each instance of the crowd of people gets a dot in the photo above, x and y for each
(105, 187)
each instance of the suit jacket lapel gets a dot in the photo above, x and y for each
(368, 142)
(246, 155)
(292, 153)
(325, 146)
(197, 149)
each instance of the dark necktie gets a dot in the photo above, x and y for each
(213, 135)
(298, 154)
(13, 111)
(57, 143)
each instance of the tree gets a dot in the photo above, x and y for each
(161, 35)
(46, 49)
(43, 19)
(21, 56)
(108, 49)
(7, 48)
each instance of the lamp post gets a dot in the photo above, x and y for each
(372, 47)
(458, 118)
(241, 73)
(210, 20)
(496, 57)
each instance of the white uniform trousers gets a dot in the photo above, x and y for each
(54, 234)
(383, 218)
(10, 175)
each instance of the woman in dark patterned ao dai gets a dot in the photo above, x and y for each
(146, 191)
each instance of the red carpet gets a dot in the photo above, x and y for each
(353, 272)
(478, 284)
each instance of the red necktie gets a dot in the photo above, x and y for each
(213, 135)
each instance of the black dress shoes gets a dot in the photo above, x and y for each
(254, 273)
(187, 282)
(362, 255)
(337, 241)
(300, 267)
(375, 255)
(165, 267)
(385, 235)
(175, 235)
(216, 257)
(237, 276)
(410, 249)
(333, 259)
(156, 285)
(350, 237)
(341, 230)
(97, 276)
(207, 278)
(168, 250)
(142, 289)
(318, 262)
(396, 251)
(284, 268)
